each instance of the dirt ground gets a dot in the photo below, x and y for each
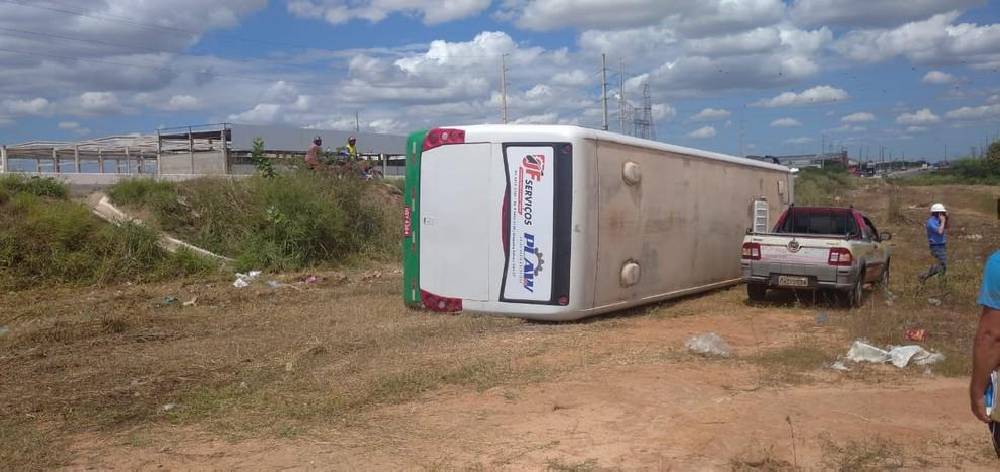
(337, 375)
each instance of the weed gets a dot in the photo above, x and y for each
(558, 465)
(760, 459)
(875, 454)
(11, 184)
(789, 364)
(59, 241)
(822, 187)
(285, 222)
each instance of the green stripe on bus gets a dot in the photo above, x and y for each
(411, 201)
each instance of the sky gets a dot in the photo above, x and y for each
(917, 77)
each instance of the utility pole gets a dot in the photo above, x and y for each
(357, 122)
(503, 87)
(621, 95)
(604, 89)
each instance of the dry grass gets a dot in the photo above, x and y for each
(282, 362)
(951, 325)
(875, 454)
(246, 363)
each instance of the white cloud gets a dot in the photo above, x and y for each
(815, 95)
(696, 17)
(263, 113)
(571, 79)
(975, 113)
(74, 127)
(663, 112)
(704, 132)
(710, 114)
(183, 103)
(916, 129)
(862, 13)
(543, 119)
(935, 40)
(937, 77)
(859, 117)
(431, 11)
(99, 103)
(802, 140)
(35, 106)
(785, 123)
(921, 117)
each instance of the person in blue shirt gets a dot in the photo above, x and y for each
(937, 225)
(986, 346)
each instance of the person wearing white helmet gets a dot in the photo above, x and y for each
(937, 226)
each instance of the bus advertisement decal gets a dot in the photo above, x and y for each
(531, 202)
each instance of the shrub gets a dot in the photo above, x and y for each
(38, 186)
(60, 241)
(821, 187)
(284, 222)
(144, 192)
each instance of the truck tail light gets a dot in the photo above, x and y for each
(442, 136)
(840, 256)
(751, 251)
(440, 304)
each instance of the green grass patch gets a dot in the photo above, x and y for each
(45, 240)
(11, 184)
(961, 172)
(287, 222)
(822, 187)
(789, 365)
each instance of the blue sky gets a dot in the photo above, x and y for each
(757, 76)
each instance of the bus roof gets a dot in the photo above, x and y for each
(570, 131)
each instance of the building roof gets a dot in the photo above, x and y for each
(289, 139)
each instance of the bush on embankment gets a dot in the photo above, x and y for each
(822, 187)
(47, 239)
(287, 222)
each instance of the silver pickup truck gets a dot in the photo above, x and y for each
(817, 248)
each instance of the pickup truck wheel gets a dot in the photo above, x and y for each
(856, 296)
(756, 292)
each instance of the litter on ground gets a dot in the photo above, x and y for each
(244, 280)
(917, 335)
(934, 301)
(899, 356)
(709, 344)
(191, 302)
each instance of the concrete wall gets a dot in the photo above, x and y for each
(205, 163)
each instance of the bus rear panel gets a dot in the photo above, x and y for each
(543, 222)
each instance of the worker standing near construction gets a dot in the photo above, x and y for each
(937, 226)
(352, 149)
(313, 153)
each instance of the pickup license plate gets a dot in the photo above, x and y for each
(787, 281)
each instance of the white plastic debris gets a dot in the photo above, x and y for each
(169, 406)
(243, 280)
(839, 365)
(973, 237)
(861, 352)
(899, 356)
(709, 344)
(934, 301)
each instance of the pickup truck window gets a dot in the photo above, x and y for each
(872, 231)
(819, 222)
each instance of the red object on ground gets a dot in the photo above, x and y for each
(916, 335)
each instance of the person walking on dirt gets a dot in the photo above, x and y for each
(986, 345)
(313, 153)
(937, 226)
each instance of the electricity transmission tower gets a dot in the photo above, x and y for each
(642, 117)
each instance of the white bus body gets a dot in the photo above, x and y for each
(563, 222)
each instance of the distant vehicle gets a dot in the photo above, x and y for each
(817, 248)
(563, 222)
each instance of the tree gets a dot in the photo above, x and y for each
(993, 154)
(263, 164)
